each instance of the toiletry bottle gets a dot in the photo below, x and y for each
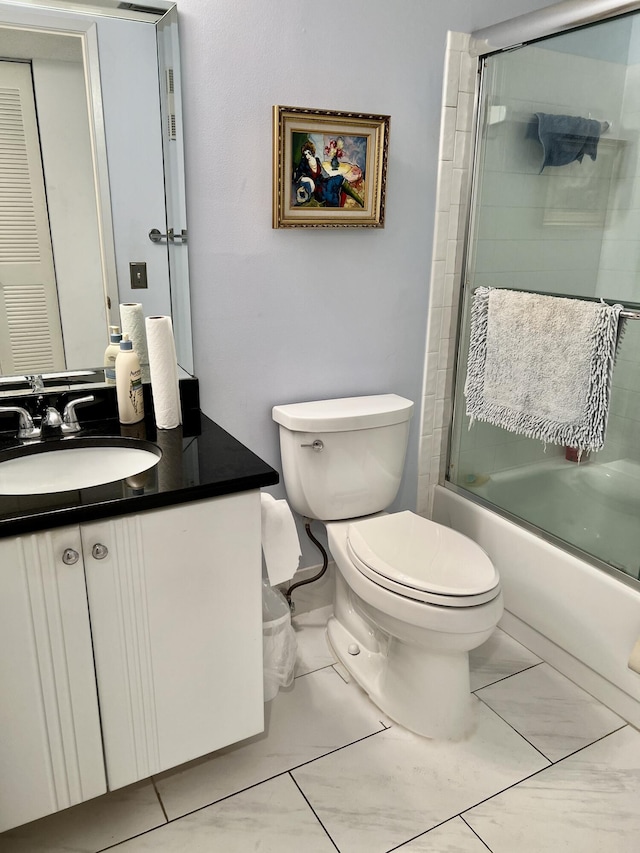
(129, 384)
(110, 355)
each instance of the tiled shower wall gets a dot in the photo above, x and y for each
(448, 245)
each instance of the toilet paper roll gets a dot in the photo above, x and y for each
(132, 324)
(163, 369)
(280, 543)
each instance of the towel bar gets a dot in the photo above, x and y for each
(630, 314)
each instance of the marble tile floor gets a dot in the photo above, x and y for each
(547, 769)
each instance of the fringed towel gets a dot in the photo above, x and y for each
(541, 365)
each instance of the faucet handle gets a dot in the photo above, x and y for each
(69, 417)
(26, 429)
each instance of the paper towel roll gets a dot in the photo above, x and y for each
(170, 474)
(163, 369)
(280, 543)
(132, 324)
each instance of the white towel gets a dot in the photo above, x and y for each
(541, 365)
(280, 543)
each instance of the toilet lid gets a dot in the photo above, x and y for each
(422, 560)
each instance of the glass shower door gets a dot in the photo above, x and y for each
(568, 230)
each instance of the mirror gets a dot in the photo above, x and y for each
(92, 160)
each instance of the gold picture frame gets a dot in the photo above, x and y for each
(329, 168)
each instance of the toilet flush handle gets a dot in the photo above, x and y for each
(316, 445)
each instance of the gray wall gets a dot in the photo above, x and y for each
(292, 315)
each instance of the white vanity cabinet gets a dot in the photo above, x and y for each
(174, 626)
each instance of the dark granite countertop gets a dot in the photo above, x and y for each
(199, 460)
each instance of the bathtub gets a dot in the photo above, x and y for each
(593, 506)
(579, 618)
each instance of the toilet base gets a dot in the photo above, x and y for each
(425, 691)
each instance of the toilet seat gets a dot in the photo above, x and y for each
(421, 560)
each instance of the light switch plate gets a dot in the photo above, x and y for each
(138, 274)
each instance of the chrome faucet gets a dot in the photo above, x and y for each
(66, 423)
(26, 428)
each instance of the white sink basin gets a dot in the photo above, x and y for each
(74, 464)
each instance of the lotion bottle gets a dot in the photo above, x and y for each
(129, 384)
(110, 355)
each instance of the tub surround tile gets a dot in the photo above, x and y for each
(319, 713)
(587, 802)
(272, 817)
(448, 133)
(89, 826)
(454, 836)
(311, 637)
(551, 712)
(387, 789)
(451, 200)
(498, 658)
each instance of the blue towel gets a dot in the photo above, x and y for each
(567, 138)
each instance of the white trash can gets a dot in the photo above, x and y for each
(278, 641)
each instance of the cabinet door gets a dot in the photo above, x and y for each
(50, 744)
(176, 617)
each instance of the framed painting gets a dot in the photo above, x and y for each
(329, 168)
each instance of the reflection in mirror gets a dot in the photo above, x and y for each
(90, 132)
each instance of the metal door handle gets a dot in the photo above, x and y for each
(171, 236)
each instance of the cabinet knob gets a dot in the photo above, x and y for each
(99, 551)
(69, 556)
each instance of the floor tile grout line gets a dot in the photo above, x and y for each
(506, 677)
(311, 671)
(537, 749)
(131, 837)
(302, 793)
(271, 778)
(537, 772)
(431, 829)
(513, 728)
(479, 837)
(592, 743)
(290, 774)
(155, 788)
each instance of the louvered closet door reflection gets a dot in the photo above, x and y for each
(30, 330)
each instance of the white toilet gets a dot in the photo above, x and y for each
(412, 597)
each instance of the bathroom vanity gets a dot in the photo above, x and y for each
(130, 622)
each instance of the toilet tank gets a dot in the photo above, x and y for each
(343, 458)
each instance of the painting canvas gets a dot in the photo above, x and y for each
(329, 168)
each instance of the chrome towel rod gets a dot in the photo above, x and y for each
(630, 314)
